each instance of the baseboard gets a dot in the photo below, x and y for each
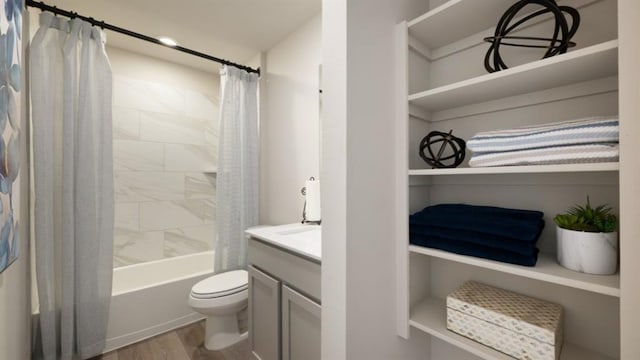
(134, 337)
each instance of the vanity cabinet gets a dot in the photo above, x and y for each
(284, 305)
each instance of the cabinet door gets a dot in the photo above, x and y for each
(300, 326)
(264, 315)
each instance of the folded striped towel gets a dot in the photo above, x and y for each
(547, 156)
(594, 130)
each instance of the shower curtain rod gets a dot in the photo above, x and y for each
(70, 14)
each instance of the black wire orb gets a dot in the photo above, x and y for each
(455, 156)
(557, 44)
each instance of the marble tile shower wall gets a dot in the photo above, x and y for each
(165, 148)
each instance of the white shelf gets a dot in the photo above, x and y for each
(546, 269)
(589, 63)
(428, 28)
(530, 169)
(430, 317)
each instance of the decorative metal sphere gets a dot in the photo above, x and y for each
(442, 158)
(557, 44)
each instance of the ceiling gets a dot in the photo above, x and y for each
(235, 30)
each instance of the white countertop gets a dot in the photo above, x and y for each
(302, 239)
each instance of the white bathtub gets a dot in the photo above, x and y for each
(151, 298)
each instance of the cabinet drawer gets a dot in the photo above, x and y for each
(298, 272)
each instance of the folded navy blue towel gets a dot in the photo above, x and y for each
(516, 224)
(466, 209)
(471, 249)
(494, 241)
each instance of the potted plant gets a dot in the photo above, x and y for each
(587, 239)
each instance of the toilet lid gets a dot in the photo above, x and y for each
(223, 284)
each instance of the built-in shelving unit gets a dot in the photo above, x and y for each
(430, 317)
(583, 81)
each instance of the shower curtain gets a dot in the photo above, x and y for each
(238, 175)
(70, 82)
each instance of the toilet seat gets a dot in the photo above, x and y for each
(220, 285)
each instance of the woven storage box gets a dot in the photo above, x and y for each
(517, 325)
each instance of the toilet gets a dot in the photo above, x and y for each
(220, 298)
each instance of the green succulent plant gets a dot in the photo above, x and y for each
(587, 218)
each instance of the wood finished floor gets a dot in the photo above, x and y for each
(182, 344)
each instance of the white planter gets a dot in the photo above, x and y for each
(588, 252)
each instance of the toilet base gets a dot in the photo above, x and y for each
(222, 331)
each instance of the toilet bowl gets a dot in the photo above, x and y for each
(220, 298)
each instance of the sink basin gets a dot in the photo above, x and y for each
(304, 233)
(299, 238)
(301, 229)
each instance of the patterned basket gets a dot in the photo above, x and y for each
(517, 325)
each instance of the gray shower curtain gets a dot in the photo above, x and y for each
(237, 183)
(70, 82)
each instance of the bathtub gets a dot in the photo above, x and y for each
(151, 298)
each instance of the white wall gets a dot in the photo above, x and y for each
(358, 270)
(334, 180)
(289, 124)
(15, 308)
